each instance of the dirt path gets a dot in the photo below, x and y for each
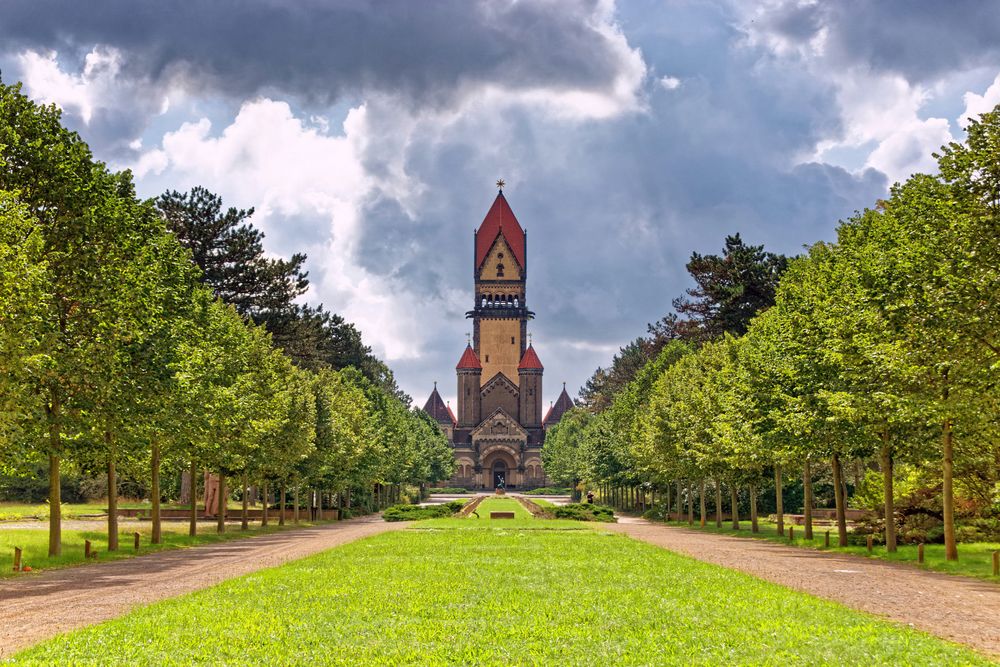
(37, 607)
(959, 609)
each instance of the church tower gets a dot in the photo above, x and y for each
(500, 271)
(498, 433)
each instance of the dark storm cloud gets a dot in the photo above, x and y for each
(320, 51)
(919, 39)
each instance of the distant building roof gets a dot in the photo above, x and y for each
(555, 413)
(469, 359)
(500, 220)
(530, 360)
(436, 408)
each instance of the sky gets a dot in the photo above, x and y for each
(369, 134)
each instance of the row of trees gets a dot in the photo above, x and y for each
(117, 352)
(882, 348)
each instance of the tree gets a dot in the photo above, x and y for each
(230, 252)
(561, 454)
(23, 293)
(93, 238)
(729, 289)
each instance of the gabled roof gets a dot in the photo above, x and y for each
(502, 415)
(499, 379)
(436, 408)
(530, 361)
(469, 359)
(555, 413)
(500, 220)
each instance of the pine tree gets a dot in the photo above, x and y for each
(730, 290)
(230, 252)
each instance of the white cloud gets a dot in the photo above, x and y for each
(884, 110)
(96, 87)
(976, 105)
(670, 82)
(287, 167)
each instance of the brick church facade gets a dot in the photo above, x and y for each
(499, 429)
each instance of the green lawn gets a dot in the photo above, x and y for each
(974, 559)
(35, 543)
(501, 505)
(475, 592)
(19, 511)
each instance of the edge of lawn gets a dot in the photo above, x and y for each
(769, 533)
(172, 541)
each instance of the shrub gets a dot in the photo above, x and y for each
(549, 491)
(420, 512)
(585, 512)
(450, 490)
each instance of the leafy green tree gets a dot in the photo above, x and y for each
(23, 293)
(94, 236)
(561, 454)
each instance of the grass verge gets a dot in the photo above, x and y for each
(475, 592)
(974, 559)
(35, 543)
(21, 511)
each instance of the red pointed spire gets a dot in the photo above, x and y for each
(530, 361)
(559, 408)
(437, 409)
(469, 359)
(500, 220)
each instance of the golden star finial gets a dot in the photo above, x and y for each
(500, 184)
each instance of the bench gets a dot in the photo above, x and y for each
(501, 515)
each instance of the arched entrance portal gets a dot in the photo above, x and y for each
(499, 475)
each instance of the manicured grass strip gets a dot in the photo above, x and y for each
(501, 505)
(499, 597)
(19, 511)
(974, 559)
(35, 543)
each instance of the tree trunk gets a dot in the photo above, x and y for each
(220, 526)
(779, 500)
(838, 492)
(112, 494)
(734, 502)
(244, 510)
(718, 503)
(185, 496)
(680, 501)
(265, 501)
(55, 490)
(690, 503)
(666, 502)
(193, 516)
(701, 501)
(885, 461)
(154, 492)
(807, 489)
(947, 491)
(281, 514)
(295, 514)
(753, 509)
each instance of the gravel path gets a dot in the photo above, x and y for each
(37, 607)
(960, 609)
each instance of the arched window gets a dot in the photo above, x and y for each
(500, 270)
